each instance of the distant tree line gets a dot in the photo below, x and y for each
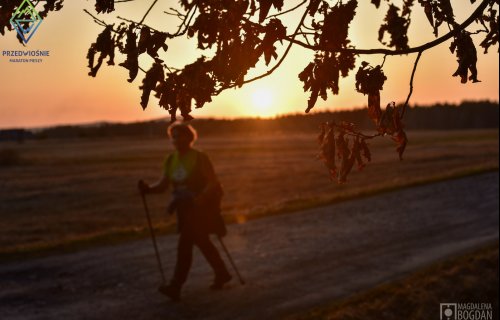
(467, 115)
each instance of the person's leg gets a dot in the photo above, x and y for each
(184, 258)
(182, 266)
(209, 251)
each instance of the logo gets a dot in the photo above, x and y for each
(26, 20)
(465, 311)
(448, 311)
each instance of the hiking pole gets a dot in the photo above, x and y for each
(231, 260)
(153, 236)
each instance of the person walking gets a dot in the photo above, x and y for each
(196, 198)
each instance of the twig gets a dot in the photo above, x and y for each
(137, 24)
(287, 11)
(176, 13)
(147, 12)
(383, 61)
(184, 23)
(304, 34)
(309, 28)
(96, 20)
(478, 32)
(355, 133)
(411, 84)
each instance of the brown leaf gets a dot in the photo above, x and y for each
(104, 6)
(132, 61)
(356, 152)
(467, 57)
(376, 3)
(347, 159)
(327, 148)
(336, 25)
(265, 6)
(152, 77)
(366, 150)
(401, 139)
(374, 111)
(106, 48)
(313, 6)
(397, 27)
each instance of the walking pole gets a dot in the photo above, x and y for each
(231, 260)
(153, 236)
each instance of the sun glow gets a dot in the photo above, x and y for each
(262, 102)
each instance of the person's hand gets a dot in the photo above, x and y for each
(142, 186)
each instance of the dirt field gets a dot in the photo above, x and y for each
(64, 191)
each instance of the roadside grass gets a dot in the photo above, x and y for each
(72, 194)
(468, 278)
(114, 236)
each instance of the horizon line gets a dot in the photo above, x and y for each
(222, 118)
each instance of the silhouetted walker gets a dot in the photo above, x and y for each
(196, 198)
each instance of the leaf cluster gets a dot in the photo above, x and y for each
(104, 6)
(370, 81)
(179, 90)
(437, 12)
(324, 73)
(491, 38)
(331, 34)
(341, 146)
(105, 47)
(397, 26)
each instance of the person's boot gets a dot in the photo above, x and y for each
(220, 280)
(173, 291)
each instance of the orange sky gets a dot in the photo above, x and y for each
(59, 91)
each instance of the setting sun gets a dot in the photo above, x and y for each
(262, 102)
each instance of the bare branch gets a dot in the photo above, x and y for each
(177, 13)
(355, 133)
(383, 61)
(411, 84)
(96, 20)
(137, 24)
(147, 12)
(186, 22)
(287, 11)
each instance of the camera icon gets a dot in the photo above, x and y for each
(448, 311)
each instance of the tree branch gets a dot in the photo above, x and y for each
(287, 11)
(147, 12)
(475, 15)
(96, 20)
